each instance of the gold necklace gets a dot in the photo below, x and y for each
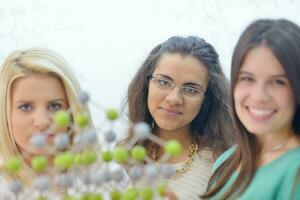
(187, 163)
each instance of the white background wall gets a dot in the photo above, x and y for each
(106, 41)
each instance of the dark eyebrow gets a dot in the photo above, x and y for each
(272, 76)
(246, 73)
(279, 76)
(185, 84)
(165, 76)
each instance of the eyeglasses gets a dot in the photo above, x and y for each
(168, 85)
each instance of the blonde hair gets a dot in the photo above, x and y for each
(22, 63)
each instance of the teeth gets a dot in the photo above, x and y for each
(260, 112)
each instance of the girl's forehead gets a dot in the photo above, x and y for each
(182, 68)
(261, 61)
(37, 87)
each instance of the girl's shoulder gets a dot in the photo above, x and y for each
(206, 154)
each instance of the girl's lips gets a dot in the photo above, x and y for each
(50, 136)
(171, 112)
(260, 114)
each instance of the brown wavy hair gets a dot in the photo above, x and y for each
(213, 125)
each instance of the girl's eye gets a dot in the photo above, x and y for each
(278, 82)
(163, 82)
(190, 90)
(246, 78)
(25, 107)
(54, 106)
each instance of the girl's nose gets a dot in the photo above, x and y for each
(42, 120)
(260, 93)
(174, 97)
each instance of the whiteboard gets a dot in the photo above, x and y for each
(106, 41)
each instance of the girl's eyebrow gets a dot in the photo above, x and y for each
(22, 102)
(279, 76)
(245, 72)
(272, 76)
(53, 100)
(188, 83)
(165, 76)
(58, 99)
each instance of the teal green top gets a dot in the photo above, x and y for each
(275, 180)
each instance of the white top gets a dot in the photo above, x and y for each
(192, 183)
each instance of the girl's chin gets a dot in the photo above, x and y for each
(32, 153)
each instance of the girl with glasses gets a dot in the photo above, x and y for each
(182, 93)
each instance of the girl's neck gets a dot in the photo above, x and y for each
(182, 135)
(277, 142)
(274, 146)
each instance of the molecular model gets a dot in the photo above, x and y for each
(84, 169)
